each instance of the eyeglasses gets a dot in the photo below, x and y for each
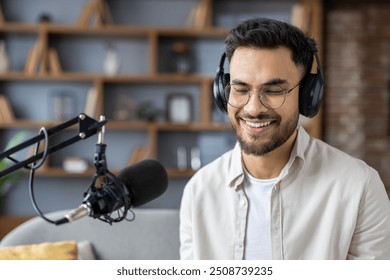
(271, 96)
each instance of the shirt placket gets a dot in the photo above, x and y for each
(242, 211)
(276, 229)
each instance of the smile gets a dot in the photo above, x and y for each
(258, 125)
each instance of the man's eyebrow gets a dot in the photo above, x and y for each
(276, 81)
(238, 82)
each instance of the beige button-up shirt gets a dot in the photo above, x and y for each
(325, 205)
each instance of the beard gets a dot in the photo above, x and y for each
(280, 136)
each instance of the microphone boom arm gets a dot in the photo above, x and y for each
(87, 127)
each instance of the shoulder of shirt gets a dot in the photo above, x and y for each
(329, 157)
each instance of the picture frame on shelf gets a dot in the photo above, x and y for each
(179, 108)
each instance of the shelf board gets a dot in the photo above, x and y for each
(19, 27)
(124, 125)
(119, 78)
(66, 76)
(158, 78)
(176, 173)
(60, 172)
(193, 32)
(113, 30)
(28, 124)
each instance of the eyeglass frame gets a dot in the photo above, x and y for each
(284, 93)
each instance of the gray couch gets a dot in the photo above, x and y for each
(154, 234)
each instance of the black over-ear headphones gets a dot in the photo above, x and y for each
(311, 89)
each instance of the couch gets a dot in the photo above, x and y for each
(153, 234)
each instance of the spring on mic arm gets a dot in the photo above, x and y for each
(108, 199)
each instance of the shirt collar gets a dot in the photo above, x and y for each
(296, 161)
(301, 143)
(236, 172)
(297, 156)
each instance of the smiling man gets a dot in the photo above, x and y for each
(280, 194)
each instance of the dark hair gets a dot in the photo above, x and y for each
(270, 33)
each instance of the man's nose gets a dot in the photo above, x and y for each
(254, 105)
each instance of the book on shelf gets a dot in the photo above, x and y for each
(42, 60)
(301, 16)
(103, 12)
(54, 62)
(91, 102)
(139, 153)
(36, 150)
(6, 112)
(95, 12)
(32, 59)
(200, 15)
(86, 14)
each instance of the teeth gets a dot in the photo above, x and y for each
(257, 125)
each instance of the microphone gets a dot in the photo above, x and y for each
(134, 186)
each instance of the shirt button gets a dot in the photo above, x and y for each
(242, 203)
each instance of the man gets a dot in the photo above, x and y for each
(280, 194)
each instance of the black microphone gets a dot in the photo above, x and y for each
(135, 185)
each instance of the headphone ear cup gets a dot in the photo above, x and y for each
(220, 82)
(310, 95)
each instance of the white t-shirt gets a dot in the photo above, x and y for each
(258, 239)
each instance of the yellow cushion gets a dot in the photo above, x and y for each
(64, 250)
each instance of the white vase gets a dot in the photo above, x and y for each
(111, 62)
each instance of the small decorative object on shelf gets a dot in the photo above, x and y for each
(125, 108)
(74, 164)
(44, 18)
(62, 106)
(188, 158)
(111, 61)
(182, 60)
(181, 158)
(195, 158)
(179, 108)
(147, 111)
